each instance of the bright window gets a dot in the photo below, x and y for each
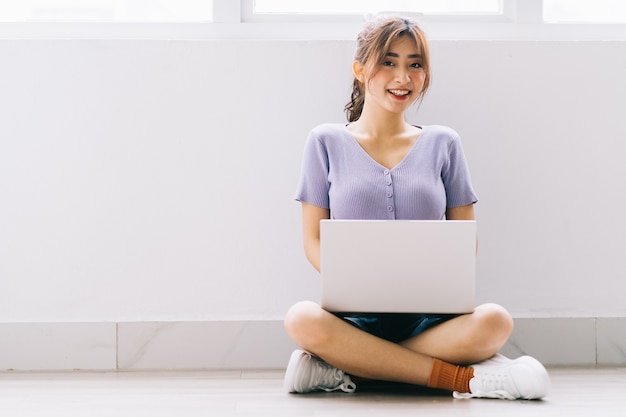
(309, 19)
(106, 10)
(373, 6)
(584, 11)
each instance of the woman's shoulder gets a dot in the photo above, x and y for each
(329, 130)
(330, 135)
(440, 137)
(440, 132)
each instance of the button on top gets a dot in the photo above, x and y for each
(389, 193)
(387, 177)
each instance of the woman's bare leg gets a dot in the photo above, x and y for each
(466, 339)
(352, 350)
(360, 354)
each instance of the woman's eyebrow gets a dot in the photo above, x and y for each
(394, 55)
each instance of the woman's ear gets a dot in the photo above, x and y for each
(359, 71)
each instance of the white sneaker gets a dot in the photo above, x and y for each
(306, 373)
(499, 377)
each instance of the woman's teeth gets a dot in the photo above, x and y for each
(399, 92)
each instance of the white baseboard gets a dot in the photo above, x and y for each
(260, 344)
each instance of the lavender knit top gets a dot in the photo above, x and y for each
(338, 174)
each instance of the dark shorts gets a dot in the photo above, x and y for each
(395, 327)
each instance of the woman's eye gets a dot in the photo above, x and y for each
(387, 64)
(416, 65)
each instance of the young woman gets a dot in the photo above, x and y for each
(380, 167)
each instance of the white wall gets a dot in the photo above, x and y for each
(543, 126)
(153, 180)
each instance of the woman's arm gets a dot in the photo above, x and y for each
(311, 216)
(462, 213)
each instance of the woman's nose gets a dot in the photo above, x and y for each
(402, 75)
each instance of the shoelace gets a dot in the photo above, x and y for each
(332, 379)
(491, 380)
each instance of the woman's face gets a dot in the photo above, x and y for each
(398, 80)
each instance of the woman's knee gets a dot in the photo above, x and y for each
(495, 324)
(304, 323)
(298, 313)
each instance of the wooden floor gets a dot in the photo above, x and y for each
(575, 392)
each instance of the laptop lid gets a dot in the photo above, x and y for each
(398, 266)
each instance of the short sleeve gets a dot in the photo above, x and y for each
(456, 177)
(314, 184)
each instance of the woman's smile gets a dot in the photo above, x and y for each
(400, 94)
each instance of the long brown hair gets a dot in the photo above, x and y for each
(373, 43)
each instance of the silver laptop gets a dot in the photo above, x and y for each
(398, 266)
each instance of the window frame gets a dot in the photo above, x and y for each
(521, 20)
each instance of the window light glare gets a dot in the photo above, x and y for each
(584, 11)
(373, 6)
(106, 10)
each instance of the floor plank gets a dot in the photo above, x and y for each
(576, 392)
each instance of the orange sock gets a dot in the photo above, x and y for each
(450, 377)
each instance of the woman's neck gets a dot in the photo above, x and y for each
(381, 125)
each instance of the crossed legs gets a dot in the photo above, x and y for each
(463, 340)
